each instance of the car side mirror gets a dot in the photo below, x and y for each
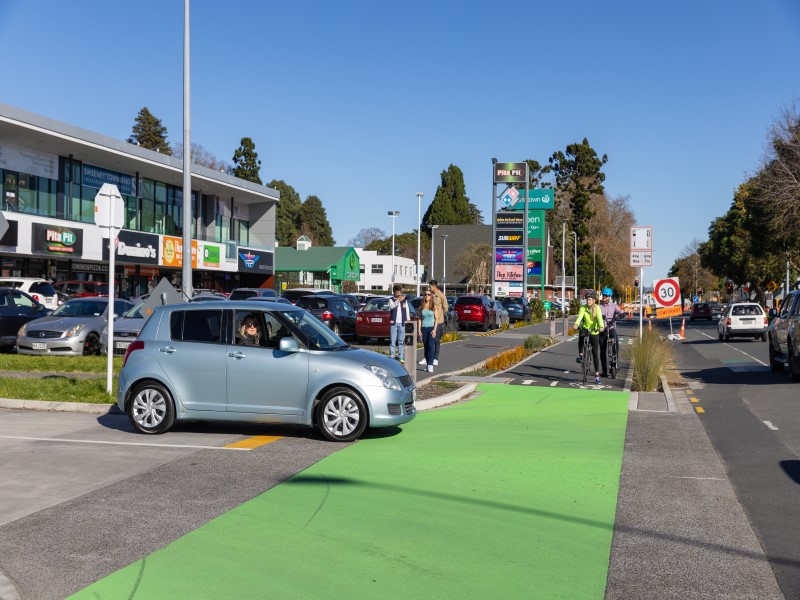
(772, 313)
(288, 344)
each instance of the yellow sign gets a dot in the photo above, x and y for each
(670, 311)
(772, 286)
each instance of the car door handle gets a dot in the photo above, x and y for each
(237, 354)
(167, 350)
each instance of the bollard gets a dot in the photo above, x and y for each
(411, 349)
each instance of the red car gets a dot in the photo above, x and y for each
(373, 320)
(701, 310)
(81, 289)
(475, 311)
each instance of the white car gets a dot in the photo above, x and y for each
(743, 319)
(37, 288)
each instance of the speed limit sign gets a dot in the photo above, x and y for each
(667, 292)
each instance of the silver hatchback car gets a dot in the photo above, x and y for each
(259, 362)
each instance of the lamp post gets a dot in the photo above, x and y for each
(575, 250)
(594, 265)
(419, 232)
(394, 214)
(564, 309)
(433, 245)
(444, 263)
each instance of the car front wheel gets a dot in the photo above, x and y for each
(91, 346)
(151, 409)
(341, 415)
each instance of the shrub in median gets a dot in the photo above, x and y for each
(650, 356)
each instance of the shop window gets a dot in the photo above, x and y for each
(148, 189)
(131, 212)
(160, 216)
(10, 201)
(148, 224)
(47, 196)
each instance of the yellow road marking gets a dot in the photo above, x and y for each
(254, 441)
(693, 400)
(699, 409)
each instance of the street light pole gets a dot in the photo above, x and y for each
(419, 233)
(575, 250)
(433, 245)
(394, 214)
(444, 263)
(594, 265)
(564, 309)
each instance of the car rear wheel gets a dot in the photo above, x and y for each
(341, 415)
(151, 409)
(775, 365)
(794, 371)
(336, 328)
(763, 337)
(91, 346)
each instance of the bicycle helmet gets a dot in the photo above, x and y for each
(607, 292)
(591, 294)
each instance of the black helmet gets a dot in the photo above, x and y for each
(591, 294)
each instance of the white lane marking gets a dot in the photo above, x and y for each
(179, 446)
(770, 425)
(711, 337)
(528, 381)
(566, 371)
(553, 383)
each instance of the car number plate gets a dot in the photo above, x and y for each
(39, 346)
(122, 345)
(376, 319)
(467, 311)
(748, 321)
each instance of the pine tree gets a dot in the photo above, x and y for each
(246, 162)
(314, 222)
(450, 205)
(148, 132)
(287, 213)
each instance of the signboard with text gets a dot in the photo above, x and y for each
(508, 237)
(255, 261)
(135, 247)
(509, 172)
(667, 292)
(508, 256)
(538, 199)
(508, 272)
(172, 252)
(57, 241)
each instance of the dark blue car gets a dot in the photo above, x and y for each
(517, 307)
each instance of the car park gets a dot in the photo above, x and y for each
(186, 366)
(294, 294)
(517, 307)
(126, 328)
(41, 290)
(373, 320)
(783, 333)
(701, 310)
(73, 329)
(364, 298)
(247, 293)
(475, 311)
(16, 309)
(333, 311)
(743, 319)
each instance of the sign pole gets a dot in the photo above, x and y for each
(641, 300)
(525, 234)
(112, 251)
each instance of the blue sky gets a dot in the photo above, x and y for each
(365, 103)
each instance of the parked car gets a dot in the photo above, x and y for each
(126, 328)
(73, 329)
(82, 289)
(303, 373)
(16, 309)
(450, 317)
(277, 300)
(333, 311)
(247, 293)
(373, 320)
(208, 296)
(364, 298)
(517, 307)
(475, 311)
(701, 310)
(743, 319)
(352, 300)
(783, 333)
(294, 294)
(41, 290)
(503, 318)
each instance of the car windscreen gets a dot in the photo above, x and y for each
(81, 309)
(314, 332)
(135, 312)
(463, 301)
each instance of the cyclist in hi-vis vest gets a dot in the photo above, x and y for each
(590, 322)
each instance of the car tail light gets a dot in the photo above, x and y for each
(136, 345)
(359, 317)
(327, 315)
(766, 321)
(37, 298)
(728, 322)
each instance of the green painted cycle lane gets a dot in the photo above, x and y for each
(512, 495)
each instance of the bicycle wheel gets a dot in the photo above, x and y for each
(612, 358)
(587, 359)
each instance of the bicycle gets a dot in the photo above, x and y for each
(612, 349)
(586, 363)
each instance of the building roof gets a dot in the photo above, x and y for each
(316, 258)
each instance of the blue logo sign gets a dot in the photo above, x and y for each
(508, 256)
(249, 260)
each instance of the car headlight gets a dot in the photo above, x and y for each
(388, 381)
(75, 330)
(23, 329)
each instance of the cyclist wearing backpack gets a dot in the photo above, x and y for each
(611, 313)
(590, 322)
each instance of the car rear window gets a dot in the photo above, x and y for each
(312, 302)
(43, 288)
(463, 301)
(740, 311)
(702, 305)
(242, 294)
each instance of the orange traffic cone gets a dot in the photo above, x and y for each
(683, 329)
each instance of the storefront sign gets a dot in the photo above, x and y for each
(57, 241)
(535, 224)
(509, 172)
(509, 256)
(210, 256)
(172, 252)
(508, 220)
(135, 247)
(508, 237)
(89, 267)
(255, 261)
(508, 273)
(95, 177)
(25, 160)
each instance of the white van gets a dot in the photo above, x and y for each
(39, 289)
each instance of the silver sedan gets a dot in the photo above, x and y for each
(73, 329)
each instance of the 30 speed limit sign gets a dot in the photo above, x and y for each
(667, 292)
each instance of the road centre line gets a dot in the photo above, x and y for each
(68, 441)
(711, 337)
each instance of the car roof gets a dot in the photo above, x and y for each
(23, 279)
(229, 305)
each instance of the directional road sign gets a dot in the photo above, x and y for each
(667, 292)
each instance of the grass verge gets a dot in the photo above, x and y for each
(57, 364)
(58, 389)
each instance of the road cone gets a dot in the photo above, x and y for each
(683, 329)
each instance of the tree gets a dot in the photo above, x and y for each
(366, 236)
(450, 205)
(405, 245)
(474, 264)
(691, 272)
(203, 157)
(609, 232)
(287, 213)
(148, 132)
(314, 222)
(246, 161)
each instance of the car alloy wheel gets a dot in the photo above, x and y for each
(151, 409)
(341, 415)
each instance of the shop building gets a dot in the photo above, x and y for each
(326, 267)
(376, 271)
(50, 175)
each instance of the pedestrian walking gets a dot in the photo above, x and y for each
(428, 334)
(440, 308)
(399, 315)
